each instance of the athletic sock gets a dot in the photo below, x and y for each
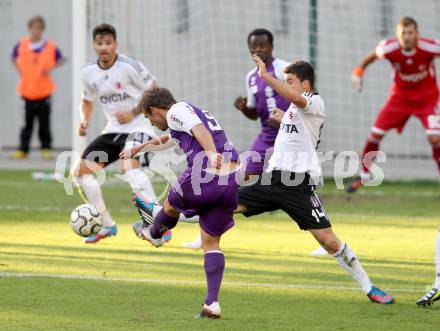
(372, 145)
(437, 261)
(91, 190)
(436, 156)
(162, 223)
(156, 210)
(140, 183)
(349, 262)
(214, 267)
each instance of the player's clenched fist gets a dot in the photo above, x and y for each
(215, 159)
(124, 116)
(82, 129)
(241, 103)
(275, 118)
(357, 78)
(262, 70)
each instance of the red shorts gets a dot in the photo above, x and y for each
(397, 110)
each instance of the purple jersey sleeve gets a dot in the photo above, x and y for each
(58, 55)
(14, 53)
(182, 116)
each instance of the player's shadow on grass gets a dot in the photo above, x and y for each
(263, 270)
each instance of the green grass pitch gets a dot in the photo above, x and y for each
(50, 280)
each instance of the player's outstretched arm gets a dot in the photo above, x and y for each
(156, 144)
(358, 72)
(86, 112)
(202, 135)
(281, 87)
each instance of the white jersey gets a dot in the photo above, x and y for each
(298, 138)
(118, 88)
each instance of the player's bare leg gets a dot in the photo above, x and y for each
(372, 145)
(214, 263)
(197, 242)
(349, 262)
(90, 191)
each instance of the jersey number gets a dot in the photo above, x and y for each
(318, 211)
(317, 214)
(212, 122)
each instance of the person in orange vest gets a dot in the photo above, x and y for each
(34, 58)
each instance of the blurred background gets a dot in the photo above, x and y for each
(198, 49)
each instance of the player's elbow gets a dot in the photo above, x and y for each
(296, 99)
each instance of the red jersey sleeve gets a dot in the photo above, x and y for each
(431, 46)
(386, 47)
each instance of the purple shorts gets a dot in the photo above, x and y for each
(214, 201)
(260, 146)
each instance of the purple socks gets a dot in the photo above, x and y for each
(162, 223)
(214, 266)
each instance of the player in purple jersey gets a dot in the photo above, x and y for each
(207, 188)
(261, 100)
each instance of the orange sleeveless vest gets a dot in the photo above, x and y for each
(33, 84)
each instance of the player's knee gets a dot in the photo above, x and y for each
(328, 240)
(170, 210)
(209, 242)
(86, 167)
(80, 169)
(331, 245)
(210, 245)
(375, 137)
(130, 164)
(240, 209)
(434, 141)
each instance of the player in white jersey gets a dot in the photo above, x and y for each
(117, 82)
(294, 171)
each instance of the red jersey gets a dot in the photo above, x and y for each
(414, 71)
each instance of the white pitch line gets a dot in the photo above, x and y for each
(194, 282)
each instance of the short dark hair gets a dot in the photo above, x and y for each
(303, 70)
(260, 32)
(406, 21)
(103, 29)
(36, 19)
(158, 97)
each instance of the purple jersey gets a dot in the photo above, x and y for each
(182, 117)
(216, 199)
(264, 99)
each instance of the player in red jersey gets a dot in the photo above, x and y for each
(414, 91)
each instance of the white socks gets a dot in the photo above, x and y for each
(92, 191)
(437, 261)
(348, 260)
(140, 183)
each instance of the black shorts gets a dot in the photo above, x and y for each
(299, 201)
(106, 147)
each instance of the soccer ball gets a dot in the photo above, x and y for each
(86, 220)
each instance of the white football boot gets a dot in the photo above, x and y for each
(211, 311)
